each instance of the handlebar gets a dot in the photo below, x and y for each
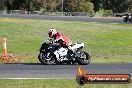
(51, 41)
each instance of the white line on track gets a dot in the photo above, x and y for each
(34, 78)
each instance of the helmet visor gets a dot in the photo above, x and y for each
(50, 34)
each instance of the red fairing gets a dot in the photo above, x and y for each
(65, 40)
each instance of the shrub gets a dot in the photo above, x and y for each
(108, 13)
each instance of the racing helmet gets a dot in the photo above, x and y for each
(52, 32)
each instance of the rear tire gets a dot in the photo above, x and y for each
(84, 58)
(46, 61)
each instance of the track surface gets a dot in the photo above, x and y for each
(59, 71)
(67, 18)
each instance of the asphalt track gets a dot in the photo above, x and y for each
(59, 71)
(67, 18)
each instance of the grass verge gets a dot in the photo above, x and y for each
(62, 83)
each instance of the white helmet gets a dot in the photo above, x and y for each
(51, 32)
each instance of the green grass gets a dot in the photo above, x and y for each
(55, 84)
(106, 42)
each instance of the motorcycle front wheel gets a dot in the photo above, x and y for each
(125, 19)
(46, 58)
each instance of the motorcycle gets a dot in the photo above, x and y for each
(127, 18)
(52, 53)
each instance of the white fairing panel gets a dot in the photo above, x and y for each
(77, 45)
(56, 54)
(61, 52)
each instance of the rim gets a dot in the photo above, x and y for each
(83, 57)
(47, 58)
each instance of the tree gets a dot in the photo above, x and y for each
(88, 6)
(120, 6)
(96, 4)
(2, 6)
(49, 5)
(78, 6)
(117, 6)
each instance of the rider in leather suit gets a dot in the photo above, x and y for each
(59, 37)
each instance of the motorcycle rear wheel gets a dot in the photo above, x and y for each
(83, 59)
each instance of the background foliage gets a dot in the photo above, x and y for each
(89, 6)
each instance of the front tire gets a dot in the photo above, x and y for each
(46, 58)
(83, 58)
(125, 19)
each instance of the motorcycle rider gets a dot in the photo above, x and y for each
(61, 39)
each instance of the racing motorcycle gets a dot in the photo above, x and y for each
(52, 53)
(127, 18)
